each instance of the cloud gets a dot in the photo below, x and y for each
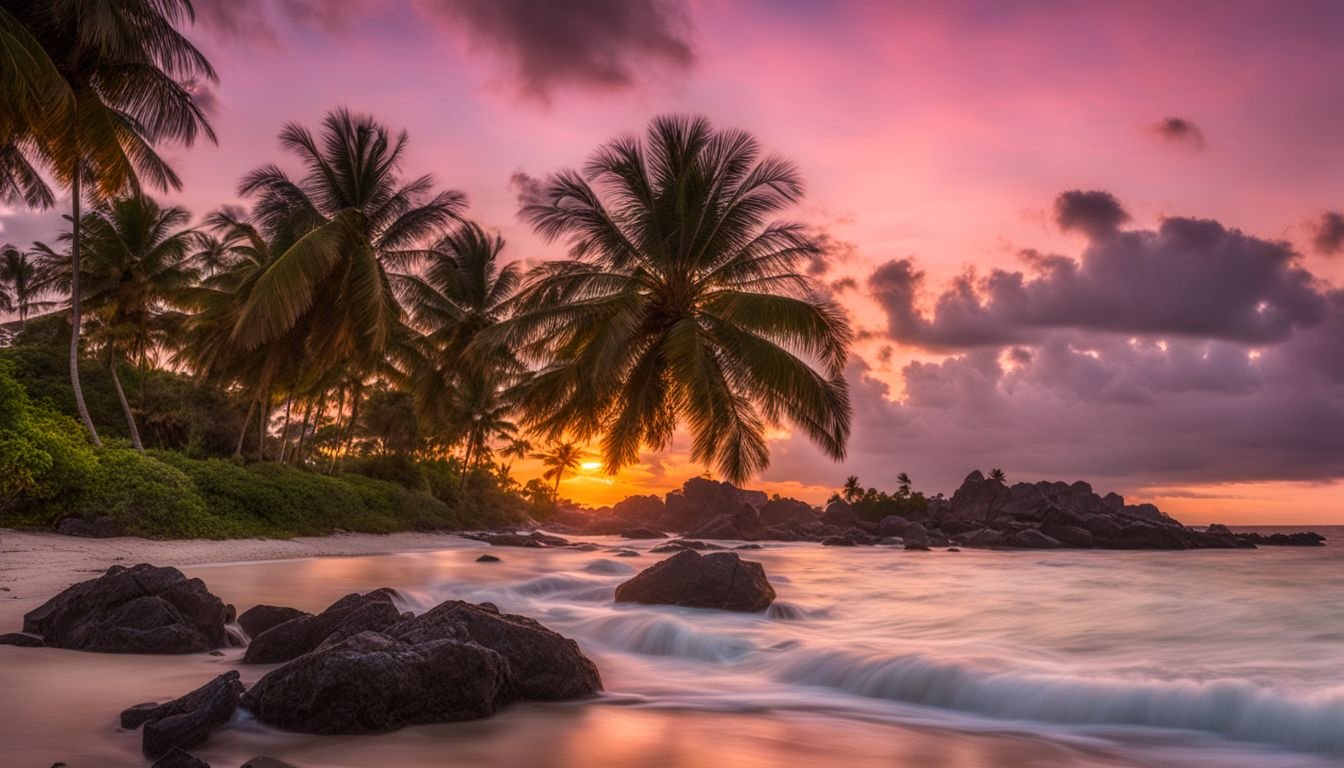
(1179, 130)
(255, 20)
(603, 44)
(1095, 214)
(1328, 235)
(1188, 278)
(526, 189)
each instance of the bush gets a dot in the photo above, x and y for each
(401, 470)
(147, 497)
(45, 462)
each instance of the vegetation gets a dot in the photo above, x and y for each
(350, 351)
(873, 504)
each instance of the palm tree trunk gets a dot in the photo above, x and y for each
(559, 474)
(74, 312)
(466, 465)
(238, 450)
(284, 430)
(125, 406)
(313, 411)
(340, 408)
(354, 419)
(262, 422)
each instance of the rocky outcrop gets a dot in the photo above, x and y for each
(783, 511)
(187, 721)
(639, 510)
(720, 580)
(744, 524)
(534, 540)
(458, 661)
(840, 514)
(260, 618)
(642, 533)
(21, 640)
(143, 609)
(344, 618)
(700, 500)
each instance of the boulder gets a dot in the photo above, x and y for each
(642, 533)
(720, 580)
(640, 510)
(1141, 535)
(701, 499)
(544, 665)
(143, 609)
(370, 682)
(1069, 535)
(535, 540)
(21, 640)
(677, 545)
(344, 618)
(1218, 529)
(1031, 538)
(260, 618)
(487, 559)
(186, 721)
(177, 758)
(783, 511)
(984, 537)
(840, 514)
(978, 499)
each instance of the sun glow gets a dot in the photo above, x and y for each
(591, 465)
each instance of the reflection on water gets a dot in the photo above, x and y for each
(872, 657)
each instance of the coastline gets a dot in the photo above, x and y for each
(38, 564)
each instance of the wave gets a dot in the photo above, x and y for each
(657, 635)
(1232, 709)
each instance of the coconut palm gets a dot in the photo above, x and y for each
(517, 448)
(128, 76)
(136, 266)
(560, 458)
(997, 475)
(903, 485)
(851, 491)
(681, 302)
(21, 283)
(31, 90)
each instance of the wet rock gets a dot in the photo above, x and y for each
(143, 609)
(21, 640)
(344, 618)
(534, 540)
(677, 545)
(177, 758)
(1219, 530)
(1031, 538)
(262, 761)
(487, 559)
(784, 511)
(1140, 535)
(1069, 535)
(370, 682)
(544, 665)
(626, 553)
(642, 533)
(260, 618)
(187, 721)
(892, 525)
(839, 514)
(701, 500)
(640, 510)
(720, 580)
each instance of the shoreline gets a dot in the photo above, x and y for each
(38, 565)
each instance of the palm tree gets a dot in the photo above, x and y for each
(20, 283)
(344, 226)
(481, 413)
(389, 419)
(998, 476)
(136, 266)
(851, 491)
(31, 90)
(128, 75)
(560, 458)
(903, 487)
(517, 448)
(680, 302)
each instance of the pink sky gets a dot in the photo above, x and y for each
(935, 132)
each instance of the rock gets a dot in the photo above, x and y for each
(979, 499)
(186, 721)
(177, 758)
(784, 511)
(535, 540)
(1068, 535)
(952, 549)
(370, 682)
(545, 665)
(701, 500)
(985, 537)
(840, 514)
(143, 609)
(626, 553)
(1031, 538)
(1299, 539)
(260, 618)
(892, 525)
(642, 533)
(1219, 530)
(640, 510)
(720, 580)
(487, 559)
(677, 545)
(344, 618)
(97, 528)
(1141, 535)
(21, 640)
(261, 761)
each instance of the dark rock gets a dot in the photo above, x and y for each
(677, 545)
(545, 665)
(1219, 530)
(97, 528)
(784, 511)
(1299, 539)
(642, 533)
(260, 618)
(892, 525)
(132, 610)
(606, 526)
(985, 537)
(1069, 535)
(953, 549)
(487, 559)
(21, 640)
(261, 761)
(701, 500)
(721, 580)
(186, 721)
(370, 682)
(344, 618)
(177, 758)
(1141, 535)
(1031, 538)
(535, 540)
(640, 510)
(626, 553)
(839, 514)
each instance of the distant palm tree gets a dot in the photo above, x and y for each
(681, 302)
(517, 448)
(903, 489)
(997, 476)
(852, 491)
(560, 458)
(136, 267)
(21, 283)
(127, 73)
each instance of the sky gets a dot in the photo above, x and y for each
(1099, 241)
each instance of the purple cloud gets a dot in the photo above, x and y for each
(1179, 130)
(1328, 237)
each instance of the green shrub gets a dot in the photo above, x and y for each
(146, 497)
(398, 469)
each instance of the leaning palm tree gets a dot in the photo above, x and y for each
(681, 302)
(852, 491)
(128, 74)
(346, 225)
(560, 458)
(136, 266)
(31, 90)
(517, 448)
(21, 283)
